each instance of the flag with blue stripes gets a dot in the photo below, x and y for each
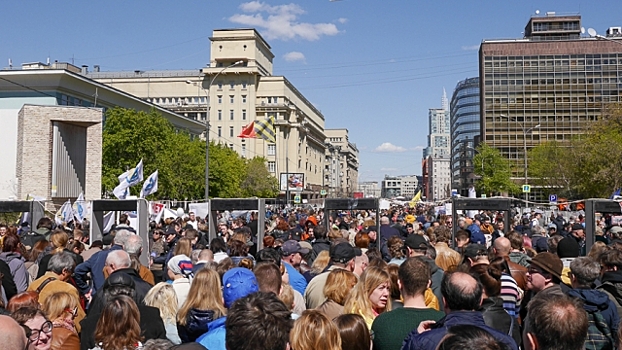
(264, 128)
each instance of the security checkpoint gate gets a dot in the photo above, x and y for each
(140, 206)
(348, 204)
(593, 206)
(461, 203)
(254, 204)
(34, 209)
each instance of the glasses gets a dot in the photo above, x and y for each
(534, 271)
(73, 312)
(33, 334)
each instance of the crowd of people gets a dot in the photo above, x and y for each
(397, 279)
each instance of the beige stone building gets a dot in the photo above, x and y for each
(342, 162)
(237, 88)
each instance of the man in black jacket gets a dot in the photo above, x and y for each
(119, 261)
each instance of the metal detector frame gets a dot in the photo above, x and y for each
(349, 204)
(35, 208)
(461, 203)
(593, 206)
(258, 204)
(140, 206)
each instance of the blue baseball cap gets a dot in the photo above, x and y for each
(238, 283)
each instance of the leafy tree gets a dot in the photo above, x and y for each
(258, 181)
(494, 171)
(551, 168)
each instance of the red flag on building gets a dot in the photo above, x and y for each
(248, 131)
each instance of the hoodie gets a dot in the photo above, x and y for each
(431, 339)
(597, 301)
(612, 285)
(214, 338)
(476, 234)
(197, 323)
(18, 269)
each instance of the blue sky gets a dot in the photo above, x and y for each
(371, 66)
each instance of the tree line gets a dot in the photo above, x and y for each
(130, 135)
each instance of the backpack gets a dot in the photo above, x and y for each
(598, 333)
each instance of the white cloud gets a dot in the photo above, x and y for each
(417, 148)
(342, 20)
(470, 48)
(281, 22)
(294, 56)
(388, 147)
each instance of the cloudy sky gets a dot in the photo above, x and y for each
(374, 67)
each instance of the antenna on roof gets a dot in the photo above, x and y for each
(10, 64)
(48, 61)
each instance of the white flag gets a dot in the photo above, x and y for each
(150, 185)
(122, 190)
(128, 179)
(136, 176)
(108, 222)
(64, 214)
(79, 208)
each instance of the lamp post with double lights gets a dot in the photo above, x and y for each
(207, 124)
(525, 132)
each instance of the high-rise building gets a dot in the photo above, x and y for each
(438, 152)
(241, 89)
(549, 85)
(465, 127)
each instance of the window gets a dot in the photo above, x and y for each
(231, 146)
(231, 98)
(219, 99)
(219, 131)
(243, 114)
(219, 85)
(231, 131)
(243, 85)
(276, 100)
(269, 99)
(231, 85)
(271, 167)
(271, 149)
(243, 98)
(231, 114)
(219, 114)
(243, 150)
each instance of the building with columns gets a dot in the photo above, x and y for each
(235, 89)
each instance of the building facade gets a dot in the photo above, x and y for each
(235, 89)
(464, 121)
(370, 189)
(549, 85)
(405, 186)
(438, 152)
(342, 161)
(52, 117)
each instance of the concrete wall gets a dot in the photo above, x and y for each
(34, 148)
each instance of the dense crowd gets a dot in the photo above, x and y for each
(396, 279)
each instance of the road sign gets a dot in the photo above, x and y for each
(553, 198)
(296, 199)
(483, 195)
(526, 188)
(322, 192)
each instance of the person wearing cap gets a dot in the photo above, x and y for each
(237, 283)
(578, 233)
(544, 277)
(292, 257)
(342, 256)
(418, 246)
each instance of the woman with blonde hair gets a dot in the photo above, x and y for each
(338, 285)
(371, 295)
(118, 327)
(183, 247)
(203, 305)
(314, 331)
(62, 308)
(163, 297)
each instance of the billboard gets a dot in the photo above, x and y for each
(292, 181)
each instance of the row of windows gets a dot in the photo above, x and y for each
(231, 114)
(219, 84)
(231, 99)
(178, 100)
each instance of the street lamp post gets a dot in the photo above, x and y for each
(525, 132)
(207, 124)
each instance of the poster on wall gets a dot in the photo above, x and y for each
(295, 181)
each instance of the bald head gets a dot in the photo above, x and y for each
(206, 255)
(502, 247)
(461, 292)
(12, 336)
(384, 220)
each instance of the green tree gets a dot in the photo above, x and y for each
(551, 168)
(494, 171)
(258, 181)
(227, 169)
